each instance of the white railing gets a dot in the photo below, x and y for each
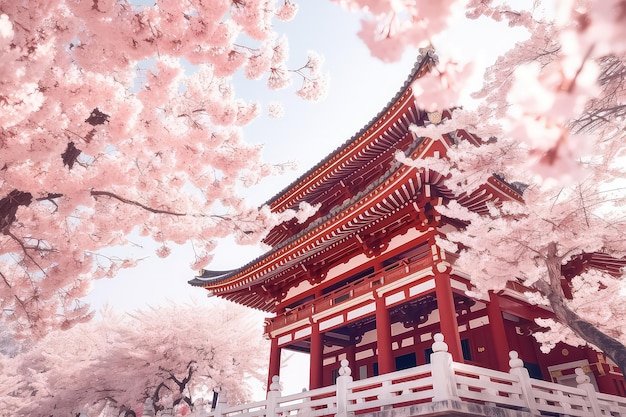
(442, 382)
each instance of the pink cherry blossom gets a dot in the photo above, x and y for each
(190, 349)
(550, 123)
(106, 130)
(275, 110)
(287, 11)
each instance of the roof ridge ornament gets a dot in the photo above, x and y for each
(429, 51)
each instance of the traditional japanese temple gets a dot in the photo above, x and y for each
(364, 280)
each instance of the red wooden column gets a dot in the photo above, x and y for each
(383, 335)
(274, 367)
(496, 324)
(447, 312)
(351, 358)
(316, 352)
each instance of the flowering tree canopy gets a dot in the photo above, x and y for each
(105, 129)
(117, 118)
(173, 355)
(552, 122)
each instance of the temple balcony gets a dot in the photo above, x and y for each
(441, 387)
(391, 275)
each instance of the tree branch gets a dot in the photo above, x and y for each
(9, 206)
(24, 249)
(96, 194)
(156, 397)
(553, 291)
(4, 278)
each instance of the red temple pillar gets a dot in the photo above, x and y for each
(274, 366)
(447, 314)
(316, 353)
(383, 335)
(496, 324)
(351, 358)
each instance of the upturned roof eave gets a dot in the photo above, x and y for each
(426, 55)
(208, 277)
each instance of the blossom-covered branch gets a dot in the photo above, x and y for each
(116, 118)
(550, 122)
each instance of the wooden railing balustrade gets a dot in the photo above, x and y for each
(388, 275)
(438, 388)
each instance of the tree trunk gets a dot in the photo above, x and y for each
(587, 331)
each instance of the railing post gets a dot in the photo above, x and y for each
(344, 378)
(272, 397)
(444, 384)
(517, 368)
(584, 383)
(222, 403)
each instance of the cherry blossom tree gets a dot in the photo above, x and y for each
(551, 122)
(172, 355)
(116, 117)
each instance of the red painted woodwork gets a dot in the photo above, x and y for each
(447, 316)
(274, 364)
(315, 372)
(367, 263)
(351, 358)
(383, 333)
(392, 273)
(496, 323)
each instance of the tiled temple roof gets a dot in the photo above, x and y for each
(364, 194)
(421, 66)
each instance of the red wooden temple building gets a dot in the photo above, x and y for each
(364, 280)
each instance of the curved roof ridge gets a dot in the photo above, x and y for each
(425, 56)
(209, 276)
